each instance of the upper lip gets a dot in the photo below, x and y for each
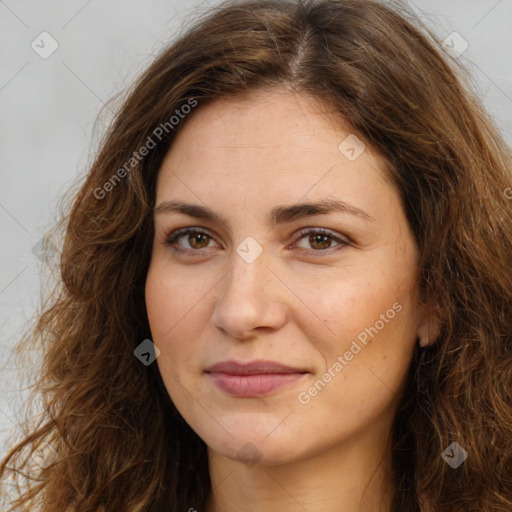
(255, 367)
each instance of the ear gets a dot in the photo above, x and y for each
(429, 328)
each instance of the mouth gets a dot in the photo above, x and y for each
(254, 378)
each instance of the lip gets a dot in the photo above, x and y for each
(258, 366)
(254, 378)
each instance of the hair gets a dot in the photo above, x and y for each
(119, 442)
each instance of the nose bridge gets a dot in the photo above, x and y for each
(249, 297)
(244, 283)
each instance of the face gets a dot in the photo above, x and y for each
(326, 292)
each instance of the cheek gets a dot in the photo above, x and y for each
(165, 309)
(366, 355)
(347, 304)
(157, 295)
(170, 297)
(370, 324)
(175, 303)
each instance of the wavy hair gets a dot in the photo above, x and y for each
(118, 441)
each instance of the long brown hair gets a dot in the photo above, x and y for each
(119, 442)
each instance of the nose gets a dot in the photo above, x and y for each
(250, 298)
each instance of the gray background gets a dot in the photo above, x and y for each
(48, 109)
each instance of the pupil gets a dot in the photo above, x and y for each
(318, 239)
(197, 236)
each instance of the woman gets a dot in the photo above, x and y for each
(283, 282)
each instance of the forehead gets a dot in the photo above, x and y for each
(272, 131)
(271, 147)
(274, 119)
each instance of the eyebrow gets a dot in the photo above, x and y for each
(278, 215)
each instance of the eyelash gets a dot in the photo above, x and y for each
(173, 237)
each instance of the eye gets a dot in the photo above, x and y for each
(318, 238)
(321, 240)
(196, 238)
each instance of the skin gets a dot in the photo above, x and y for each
(295, 304)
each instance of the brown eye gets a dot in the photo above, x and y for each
(320, 240)
(195, 240)
(198, 240)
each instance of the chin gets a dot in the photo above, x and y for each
(253, 445)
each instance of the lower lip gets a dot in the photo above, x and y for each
(253, 385)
